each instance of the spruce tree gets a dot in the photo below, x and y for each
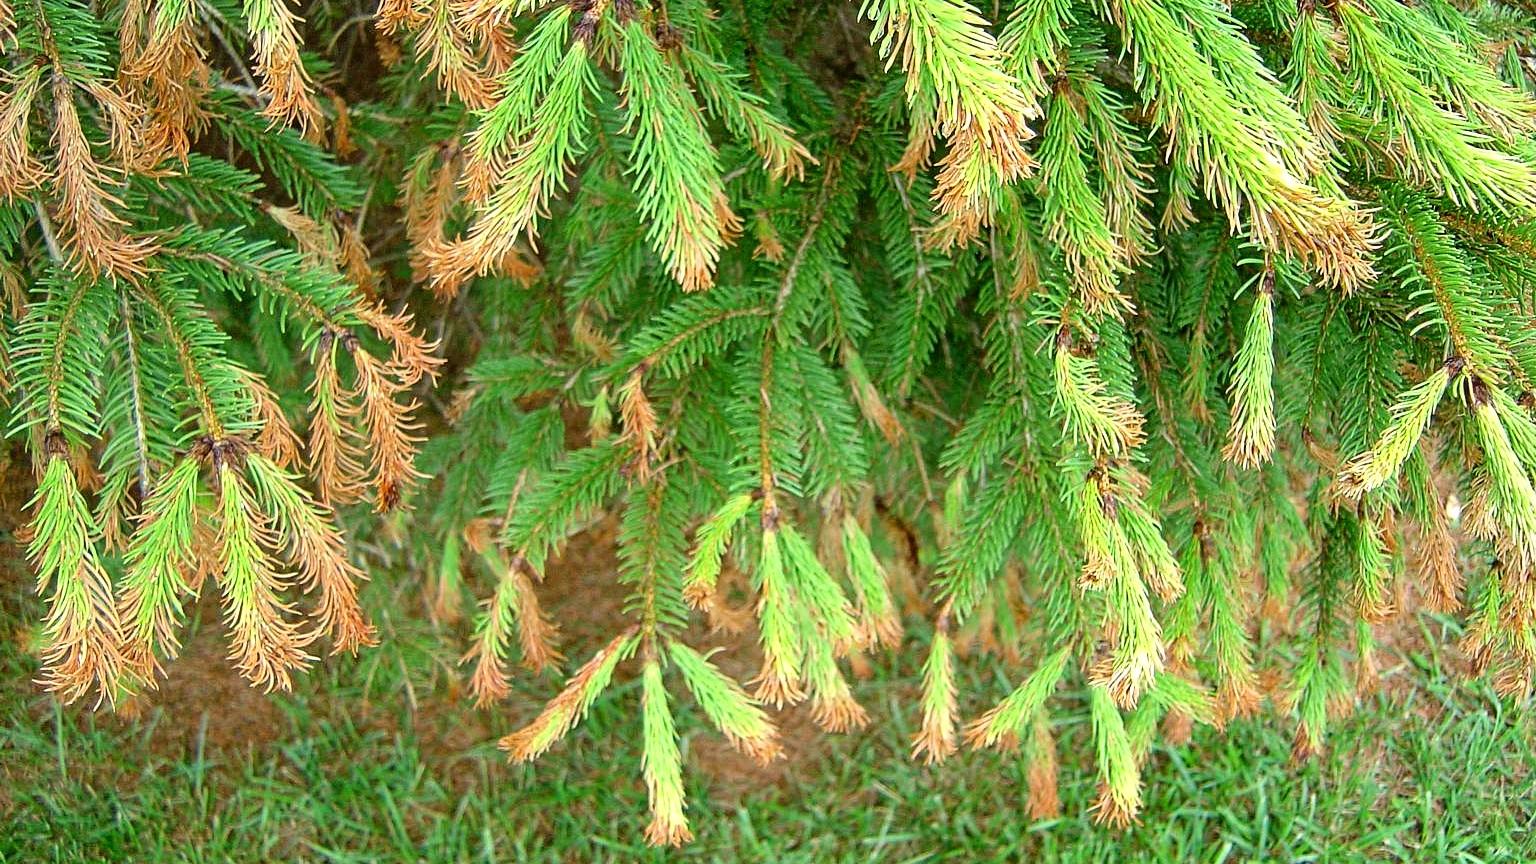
(1165, 347)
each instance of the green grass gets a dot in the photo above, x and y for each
(1441, 771)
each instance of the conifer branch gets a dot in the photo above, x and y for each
(1215, 136)
(81, 632)
(266, 645)
(953, 63)
(1251, 439)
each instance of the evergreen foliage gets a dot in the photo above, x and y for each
(1163, 348)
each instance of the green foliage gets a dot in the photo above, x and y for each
(1142, 345)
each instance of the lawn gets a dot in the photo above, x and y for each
(379, 759)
